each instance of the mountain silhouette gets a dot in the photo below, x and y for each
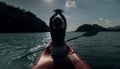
(14, 19)
(88, 27)
(115, 28)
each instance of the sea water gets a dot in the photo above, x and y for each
(101, 51)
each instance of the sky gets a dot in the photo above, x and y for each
(77, 12)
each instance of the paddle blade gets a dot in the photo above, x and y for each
(90, 33)
(86, 34)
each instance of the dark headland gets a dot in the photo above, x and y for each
(16, 20)
(88, 27)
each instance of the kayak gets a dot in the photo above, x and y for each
(45, 61)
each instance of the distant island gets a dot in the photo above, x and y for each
(17, 20)
(88, 27)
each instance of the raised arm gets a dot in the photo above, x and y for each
(64, 19)
(51, 19)
(53, 16)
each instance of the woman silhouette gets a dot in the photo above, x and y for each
(57, 26)
(58, 47)
(57, 31)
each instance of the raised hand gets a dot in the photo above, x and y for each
(58, 11)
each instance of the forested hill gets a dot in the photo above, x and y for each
(88, 27)
(14, 19)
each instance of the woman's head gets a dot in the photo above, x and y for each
(58, 23)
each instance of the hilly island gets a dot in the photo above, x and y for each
(88, 27)
(16, 20)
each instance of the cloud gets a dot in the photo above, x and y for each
(70, 3)
(68, 16)
(71, 27)
(106, 22)
(101, 19)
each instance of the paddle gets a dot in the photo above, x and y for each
(86, 34)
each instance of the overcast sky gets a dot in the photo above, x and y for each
(103, 12)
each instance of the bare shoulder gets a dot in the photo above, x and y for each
(77, 61)
(44, 62)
